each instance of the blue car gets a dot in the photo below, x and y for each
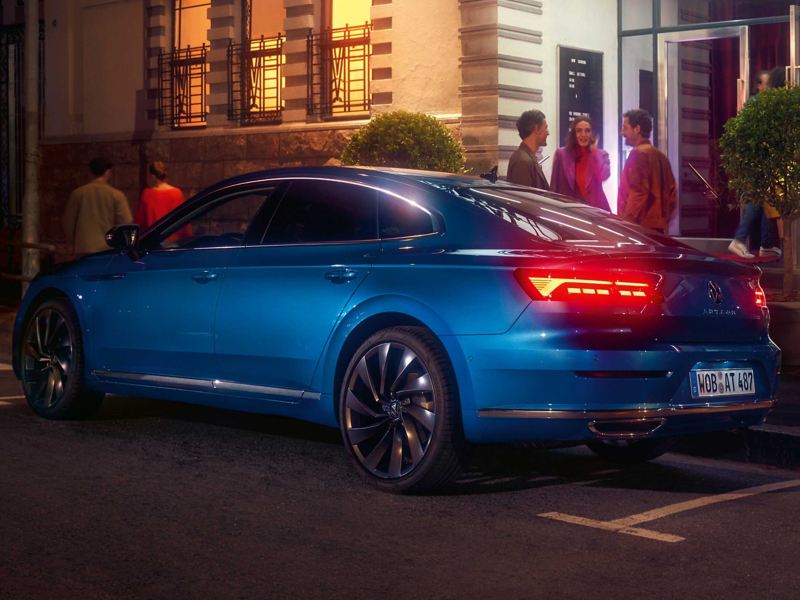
(417, 312)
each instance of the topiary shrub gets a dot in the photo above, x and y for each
(761, 155)
(405, 139)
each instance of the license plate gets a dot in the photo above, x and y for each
(713, 383)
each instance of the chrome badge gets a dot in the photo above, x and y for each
(714, 293)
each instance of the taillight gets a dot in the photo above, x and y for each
(589, 287)
(760, 298)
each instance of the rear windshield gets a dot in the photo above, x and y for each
(555, 218)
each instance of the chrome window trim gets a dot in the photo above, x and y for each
(437, 219)
(634, 413)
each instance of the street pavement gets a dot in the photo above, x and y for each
(775, 443)
(157, 500)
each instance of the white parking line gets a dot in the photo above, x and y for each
(626, 524)
(4, 399)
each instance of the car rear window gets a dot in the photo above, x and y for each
(556, 218)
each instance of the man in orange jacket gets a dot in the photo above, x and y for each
(647, 187)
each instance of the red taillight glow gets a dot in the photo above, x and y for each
(637, 288)
(759, 298)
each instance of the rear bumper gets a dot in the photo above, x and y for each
(519, 388)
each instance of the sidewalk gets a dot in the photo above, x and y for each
(776, 443)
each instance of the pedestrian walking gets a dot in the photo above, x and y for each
(764, 216)
(523, 166)
(647, 186)
(93, 209)
(580, 167)
(159, 198)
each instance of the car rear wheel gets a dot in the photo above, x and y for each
(630, 452)
(51, 359)
(398, 411)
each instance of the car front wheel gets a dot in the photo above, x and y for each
(51, 359)
(398, 411)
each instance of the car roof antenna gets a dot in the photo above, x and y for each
(491, 175)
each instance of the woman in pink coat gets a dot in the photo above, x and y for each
(580, 168)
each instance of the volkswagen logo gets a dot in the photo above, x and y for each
(714, 293)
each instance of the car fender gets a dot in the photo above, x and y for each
(356, 314)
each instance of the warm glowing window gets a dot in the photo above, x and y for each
(265, 60)
(182, 71)
(339, 60)
(255, 67)
(191, 23)
(349, 12)
(352, 13)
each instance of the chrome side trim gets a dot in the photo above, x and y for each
(644, 413)
(204, 384)
(162, 380)
(230, 386)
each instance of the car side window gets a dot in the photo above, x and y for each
(402, 218)
(317, 211)
(224, 222)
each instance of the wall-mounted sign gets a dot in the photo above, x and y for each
(580, 87)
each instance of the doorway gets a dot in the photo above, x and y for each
(705, 77)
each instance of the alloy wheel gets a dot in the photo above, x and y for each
(47, 358)
(389, 410)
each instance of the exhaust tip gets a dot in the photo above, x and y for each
(627, 429)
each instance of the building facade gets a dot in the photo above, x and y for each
(218, 87)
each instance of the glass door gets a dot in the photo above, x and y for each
(703, 80)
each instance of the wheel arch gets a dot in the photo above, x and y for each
(362, 322)
(29, 305)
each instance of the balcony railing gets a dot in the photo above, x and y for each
(255, 81)
(182, 87)
(338, 71)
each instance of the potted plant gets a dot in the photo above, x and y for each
(405, 139)
(761, 155)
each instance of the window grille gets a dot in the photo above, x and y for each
(338, 71)
(182, 87)
(255, 81)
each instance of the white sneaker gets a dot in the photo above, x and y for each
(739, 249)
(769, 252)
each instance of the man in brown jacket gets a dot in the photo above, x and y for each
(523, 167)
(93, 209)
(647, 187)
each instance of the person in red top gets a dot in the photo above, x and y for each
(580, 167)
(159, 199)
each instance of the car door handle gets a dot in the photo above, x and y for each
(204, 277)
(341, 275)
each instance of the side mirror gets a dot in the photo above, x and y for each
(123, 237)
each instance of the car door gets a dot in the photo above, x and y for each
(281, 300)
(157, 314)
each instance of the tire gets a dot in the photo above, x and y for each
(631, 452)
(52, 363)
(399, 412)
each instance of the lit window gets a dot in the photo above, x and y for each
(339, 81)
(182, 71)
(255, 66)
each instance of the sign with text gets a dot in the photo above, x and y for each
(580, 77)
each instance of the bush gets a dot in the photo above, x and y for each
(760, 154)
(404, 139)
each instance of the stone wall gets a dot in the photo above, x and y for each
(194, 162)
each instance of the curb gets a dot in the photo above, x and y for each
(773, 445)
